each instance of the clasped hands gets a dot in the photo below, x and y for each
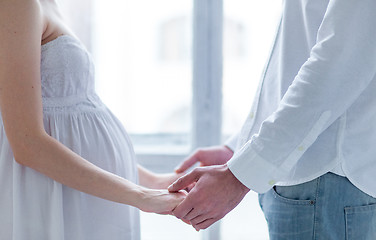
(213, 189)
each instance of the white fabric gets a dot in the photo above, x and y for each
(33, 206)
(315, 110)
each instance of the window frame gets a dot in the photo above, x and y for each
(207, 69)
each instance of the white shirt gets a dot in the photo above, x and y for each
(315, 109)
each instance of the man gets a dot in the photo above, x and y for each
(308, 144)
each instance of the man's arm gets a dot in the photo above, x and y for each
(340, 67)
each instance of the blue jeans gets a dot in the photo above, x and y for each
(326, 208)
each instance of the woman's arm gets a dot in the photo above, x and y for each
(21, 28)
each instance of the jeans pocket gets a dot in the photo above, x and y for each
(361, 222)
(288, 218)
(292, 195)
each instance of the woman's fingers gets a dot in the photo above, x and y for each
(162, 201)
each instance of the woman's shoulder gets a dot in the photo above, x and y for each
(21, 16)
(13, 12)
(40, 18)
(13, 6)
(21, 22)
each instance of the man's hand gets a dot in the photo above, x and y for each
(217, 192)
(208, 156)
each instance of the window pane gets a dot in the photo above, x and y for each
(249, 30)
(142, 51)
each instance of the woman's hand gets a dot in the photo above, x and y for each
(156, 181)
(160, 201)
(162, 181)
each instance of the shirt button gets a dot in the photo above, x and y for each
(251, 115)
(301, 148)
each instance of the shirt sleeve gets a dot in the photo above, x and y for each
(341, 65)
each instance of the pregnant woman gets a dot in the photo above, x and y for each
(67, 167)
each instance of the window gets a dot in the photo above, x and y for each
(144, 69)
(179, 74)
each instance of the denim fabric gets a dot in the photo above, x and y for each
(327, 208)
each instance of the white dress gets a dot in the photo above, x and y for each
(35, 207)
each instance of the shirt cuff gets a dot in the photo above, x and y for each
(253, 171)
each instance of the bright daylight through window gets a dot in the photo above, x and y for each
(143, 55)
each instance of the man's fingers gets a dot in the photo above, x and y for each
(185, 181)
(183, 208)
(165, 213)
(199, 219)
(190, 187)
(187, 164)
(205, 224)
(194, 213)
